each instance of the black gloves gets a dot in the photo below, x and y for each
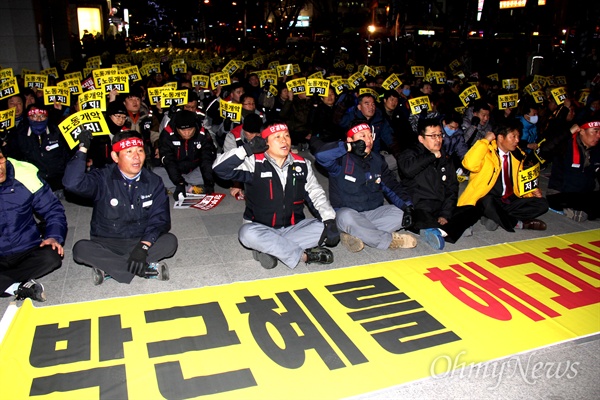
(330, 236)
(256, 145)
(136, 264)
(180, 188)
(85, 139)
(358, 148)
(475, 121)
(407, 219)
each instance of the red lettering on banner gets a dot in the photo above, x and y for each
(566, 297)
(491, 290)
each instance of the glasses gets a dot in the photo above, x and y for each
(435, 136)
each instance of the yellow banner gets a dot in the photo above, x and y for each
(232, 66)
(469, 94)
(219, 79)
(508, 101)
(529, 179)
(173, 97)
(338, 84)
(92, 99)
(267, 76)
(74, 85)
(439, 77)
(74, 75)
(97, 74)
(316, 75)
(9, 88)
(50, 72)
(6, 74)
(559, 94)
(417, 71)
(324, 335)
(539, 96)
(201, 81)
(119, 82)
(154, 95)
(355, 80)
(7, 118)
(180, 68)
(532, 87)
(510, 84)
(132, 72)
(392, 82)
(419, 104)
(230, 110)
(320, 87)
(297, 86)
(57, 94)
(285, 70)
(91, 120)
(36, 81)
(372, 92)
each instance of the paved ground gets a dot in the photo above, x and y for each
(209, 254)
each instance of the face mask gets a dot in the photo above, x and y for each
(449, 131)
(38, 127)
(533, 119)
(406, 92)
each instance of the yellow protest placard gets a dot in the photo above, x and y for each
(154, 95)
(57, 94)
(559, 95)
(6, 74)
(439, 77)
(64, 64)
(36, 81)
(273, 65)
(297, 86)
(99, 73)
(285, 70)
(267, 76)
(92, 99)
(508, 101)
(121, 58)
(419, 104)
(74, 75)
(368, 71)
(132, 72)
(392, 82)
(561, 80)
(219, 79)
(7, 118)
(417, 71)
(339, 84)
(272, 91)
(201, 81)
(494, 77)
(74, 85)
(510, 84)
(370, 91)
(27, 71)
(94, 61)
(583, 96)
(230, 110)
(172, 85)
(532, 87)
(316, 75)
(8, 88)
(528, 180)
(91, 120)
(355, 80)
(50, 72)
(232, 66)
(349, 67)
(119, 82)
(180, 68)
(295, 69)
(173, 97)
(468, 95)
(317, 86)
(339, 64)
(539, 96)
(150, 68)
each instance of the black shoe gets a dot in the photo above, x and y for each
(157, 270)
(267, 261)
(99, 276)
(319, 255)
(32, 290)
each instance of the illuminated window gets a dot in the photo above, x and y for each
(89, 19)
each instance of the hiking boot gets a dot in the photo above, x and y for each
(266, 261)
(575, 215)
(157, 270)
(433, 237)
(402, 241)
(352, 243)
(319, 255)
(489, 224)
(32, 290)
(99, 276)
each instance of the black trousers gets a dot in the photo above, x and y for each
(462, 218)
(586, 202)
(33, 263)
(110, 255)
(516, 209)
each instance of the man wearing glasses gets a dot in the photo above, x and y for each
(25, 252)
(430, 179)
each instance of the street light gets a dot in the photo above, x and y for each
(370, 29)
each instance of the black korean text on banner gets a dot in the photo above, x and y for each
(316, 75)
(232, 66)
(92, 99)
(36, 81)
(219, 79)
(529, 179)
(508, 101)
(8, 88)
(267, 76)
(319, 87)
(392, 82)
(6, 74)
(230, 110)
(355, 80)
(339, 84)
(180, 68)
(74, 85)
(151, 68)
(418, 71)
(97, 74)
(272, 91)
(469, 95)
(370, 91)
(297, 86)
(438, 77)
(532, 87)
(154, 95)
(27, 71)
(7, 118)
(274, 65)
(57, 94)
(95, 60)
(285, 70)
(368, 71)
(201, 81)
(510, 84)
(119, 82)
(133, 72)
(50, 72)
(91, 120)
(559, 95)
(419, 104)
(539, 96)
(173, 97)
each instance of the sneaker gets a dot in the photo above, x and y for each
(575, 215)
(319, 255)
(433, 238)
(99, 276)
(402, 241)
(157, 270)
(266, 261)
(32, 290)
(489, 224)
(352, 243)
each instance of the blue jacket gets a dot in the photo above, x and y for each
(529, 134)
(381, 127)
(144, 213)
(359, 183)
(22, 194)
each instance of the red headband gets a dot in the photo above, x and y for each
(127, 143)
(591, 124)
(37, 111)
(273, 129)
(357, 128)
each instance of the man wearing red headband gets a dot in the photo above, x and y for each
(359, 181)
(131, 217)
(277, 184)
(575, 171)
